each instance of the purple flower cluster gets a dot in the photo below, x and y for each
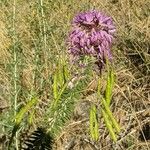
(92, 34)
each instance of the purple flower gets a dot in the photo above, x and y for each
(92, 34)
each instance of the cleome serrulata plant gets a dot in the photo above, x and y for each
(92, 35)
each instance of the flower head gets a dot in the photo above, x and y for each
(92, 34)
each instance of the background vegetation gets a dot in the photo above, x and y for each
(34, 64)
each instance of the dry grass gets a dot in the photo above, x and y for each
(36, 59)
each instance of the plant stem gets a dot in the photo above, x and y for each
(44, 27)
(15, 67)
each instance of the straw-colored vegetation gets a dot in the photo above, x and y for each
(40, 88)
